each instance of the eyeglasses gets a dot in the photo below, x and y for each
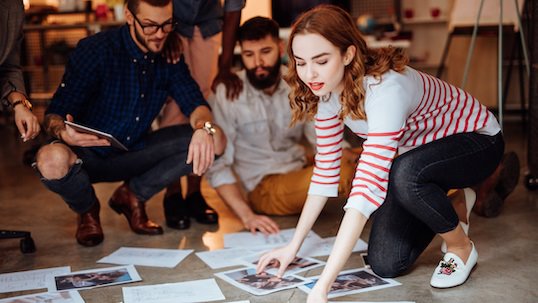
(166, 27)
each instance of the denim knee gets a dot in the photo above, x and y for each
(75, 188)
(385, 267)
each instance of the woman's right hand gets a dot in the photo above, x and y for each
(283, 255)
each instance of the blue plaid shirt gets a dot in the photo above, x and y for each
(111, 85)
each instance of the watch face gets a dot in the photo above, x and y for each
(209, 128)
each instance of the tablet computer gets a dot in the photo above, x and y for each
(84, 129)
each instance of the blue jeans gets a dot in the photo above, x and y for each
(417, 207)
(147, 171)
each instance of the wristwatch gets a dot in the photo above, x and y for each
(24, 102)
(209, 128)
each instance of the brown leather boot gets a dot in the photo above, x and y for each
(123, 201)
(491, 193)
(89, 232)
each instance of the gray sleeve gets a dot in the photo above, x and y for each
(10, 70)
(234, 5)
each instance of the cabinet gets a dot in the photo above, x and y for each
(428, 23)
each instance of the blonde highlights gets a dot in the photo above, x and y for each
(338, 27)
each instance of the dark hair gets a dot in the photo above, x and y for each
(132, 5)
(258, 28)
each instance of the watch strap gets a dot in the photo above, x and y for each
(24, 102)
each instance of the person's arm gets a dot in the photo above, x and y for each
(225, 75)
(54, 125)
(348, 234)
(285, 255)
(324, 183)
(231, 195)
(26, 122)
(12, 83)
(204, 146)
(80, 82)
(386, 110)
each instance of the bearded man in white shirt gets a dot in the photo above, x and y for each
(264, 155)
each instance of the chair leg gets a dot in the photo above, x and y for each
(27, 244)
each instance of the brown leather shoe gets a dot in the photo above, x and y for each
(491, 193)
(123, 201)
(89, 232)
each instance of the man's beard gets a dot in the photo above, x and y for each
(141, 40)
(268, 80)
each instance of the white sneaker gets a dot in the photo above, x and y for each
(470, 199)
(452, 271)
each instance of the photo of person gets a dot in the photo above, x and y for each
(353, 281)
(297, 265)
(95, 278)
(56, 297)
(262, 283)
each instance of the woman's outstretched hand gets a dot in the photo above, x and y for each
(283, 256)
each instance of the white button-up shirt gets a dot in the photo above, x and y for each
(260, 140)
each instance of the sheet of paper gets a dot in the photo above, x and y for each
(223, 257)
(353, 281)
(192, 291)
(248, 240)
(324, 247)
(245, 301)
(47, 297)
(155, 257)
(260, 284)
(31, 279)
(372, 302)
(93, 278)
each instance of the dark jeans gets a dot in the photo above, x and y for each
(417, 207)
(147, 171)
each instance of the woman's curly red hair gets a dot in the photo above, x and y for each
(338, 27)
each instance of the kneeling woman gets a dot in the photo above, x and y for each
(444, 139)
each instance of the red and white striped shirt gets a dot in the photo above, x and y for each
(403, 111)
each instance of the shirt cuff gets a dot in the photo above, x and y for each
(363, 207)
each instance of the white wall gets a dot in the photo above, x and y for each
(256, 8)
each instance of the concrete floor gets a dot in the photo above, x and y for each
(507, 245)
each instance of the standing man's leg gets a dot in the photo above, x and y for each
(201, 55)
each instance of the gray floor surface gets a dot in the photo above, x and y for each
(507, 245)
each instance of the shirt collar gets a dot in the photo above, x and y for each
(132, 49)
